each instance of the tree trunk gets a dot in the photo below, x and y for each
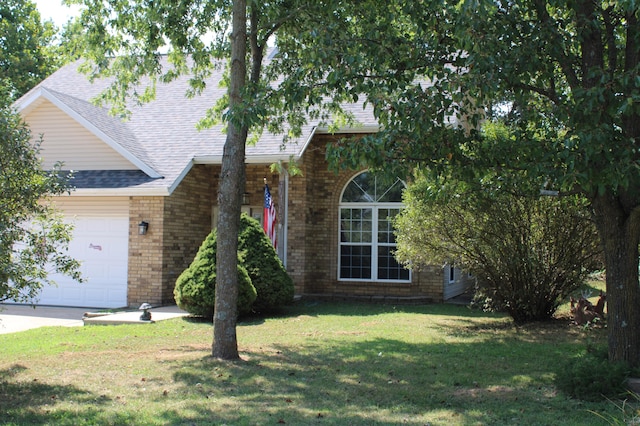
(619, 234)
(232, 177)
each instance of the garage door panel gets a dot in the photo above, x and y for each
(101, 245)
(72, 296)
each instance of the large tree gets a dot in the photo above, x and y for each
(199, 36)
(562, 75)
(232, 176)
(27, 51)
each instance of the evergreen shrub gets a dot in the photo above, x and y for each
(195, 287)
(268, 275)
(264, 283)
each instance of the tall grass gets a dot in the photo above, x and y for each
(319, 363)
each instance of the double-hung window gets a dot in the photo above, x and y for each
(368, 206)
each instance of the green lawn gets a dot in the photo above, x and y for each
(320, 363)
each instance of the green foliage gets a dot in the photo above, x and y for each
(527, 252)
(590, 376)
(195, 287)
(522, 63)
(264, 285)
(274, 286)
(27, 55)
(33, 238)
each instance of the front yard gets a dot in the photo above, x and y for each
(319, 363)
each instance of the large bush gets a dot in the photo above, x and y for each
(268, 275)
(528, 252)
(195, 287)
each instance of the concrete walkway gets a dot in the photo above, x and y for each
(15, 318)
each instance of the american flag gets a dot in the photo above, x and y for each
(269, 217)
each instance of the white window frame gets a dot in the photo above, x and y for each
(374, 244)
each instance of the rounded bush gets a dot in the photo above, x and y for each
(274, 286)
(195, 287)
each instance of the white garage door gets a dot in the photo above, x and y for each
(100, 242)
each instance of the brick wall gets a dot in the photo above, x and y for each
(254, 185)
(177, 226)
(187, 223)
(145, 251)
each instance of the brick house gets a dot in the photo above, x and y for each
(334, 235)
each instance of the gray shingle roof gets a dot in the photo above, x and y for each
(162, 134)
(111, 179)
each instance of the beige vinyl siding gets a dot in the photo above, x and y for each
(65, 140)
(92, 206)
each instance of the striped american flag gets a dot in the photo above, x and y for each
(269, 218)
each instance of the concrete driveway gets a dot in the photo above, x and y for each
(14, 318)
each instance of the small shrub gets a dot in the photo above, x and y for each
(591, 377)
(195, 287)
(273, 285)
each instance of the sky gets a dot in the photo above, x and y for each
(54, 10)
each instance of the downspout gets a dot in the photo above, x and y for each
(283, 191)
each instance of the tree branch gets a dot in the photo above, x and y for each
(563, 59)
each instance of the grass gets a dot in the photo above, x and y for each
(320, 363)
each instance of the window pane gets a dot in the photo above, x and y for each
(385, 225)
(355, 262)
(355, 225)
(369, 188)
(360, 190)
(390, 192)
(388, 267)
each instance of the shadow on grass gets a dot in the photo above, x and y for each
(379, 381)
(318, 308)
(321, 308)
(27, 403)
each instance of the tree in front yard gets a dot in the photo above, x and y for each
(200, 37)
(528, 252)
(33, 239)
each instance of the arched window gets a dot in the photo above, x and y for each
(368, 205)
